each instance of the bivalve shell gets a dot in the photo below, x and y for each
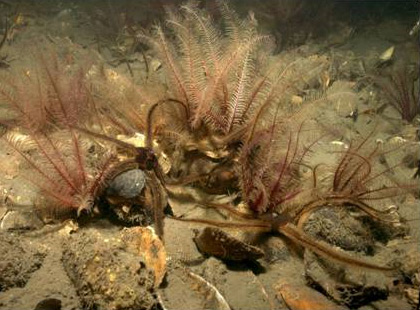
(215, 242)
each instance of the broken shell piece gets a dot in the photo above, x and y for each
(215, 242)
(155, 64)
(387, 55)
(412, 294)
(126, 209)
(392, 208)
(210, 292)
(137, 140)
(112, 75)
(70, 227)
(415, 29)
(10, 169)
(64, 13)
(217, 154)
(324, 79)
(385, 58)
(164, 162)
(296, 100)
(340, 143)
(392, 211)
(397, 140)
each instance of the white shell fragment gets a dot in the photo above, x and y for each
(137, 140)
(155, 65)
(397, 140)
(296, 100)
(415, 29)
(387, 55)
(210, 292)
(339, 143)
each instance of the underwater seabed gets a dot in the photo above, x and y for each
(209, 155)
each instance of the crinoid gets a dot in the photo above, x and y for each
(214, 90)
(224, 112)
(218, 80)
(215, 82)
(40, 112)
(401, 93)
(283, 202)
(271, 158)
(212, 73)
(59, 168)
(357, 181)
(49, 93)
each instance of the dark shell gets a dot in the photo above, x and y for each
(215, 242)
(49, 304)
(128, 184)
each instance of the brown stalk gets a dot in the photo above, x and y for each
(153, 107)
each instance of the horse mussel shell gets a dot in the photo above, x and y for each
(128, 184)
(215, 242)
(125, 196)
